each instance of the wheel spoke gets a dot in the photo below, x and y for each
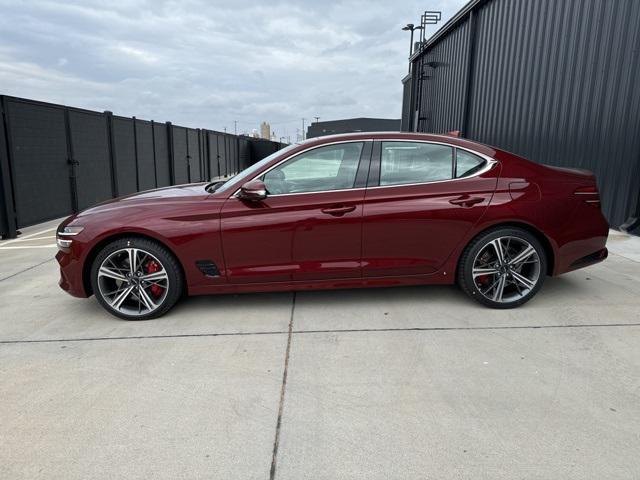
(117, 301)
(499, 291)
(484, 271)
(107, 272)
(133, 260)
(497, 246)
(523, 255)
(146, 299)
(117, 290)
(161, 275)
(522, 280)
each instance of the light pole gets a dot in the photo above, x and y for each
(317, 118)
(235, 127)
(410, 27)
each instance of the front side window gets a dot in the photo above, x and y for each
(467, 163)
(332, 167)
(415, 162)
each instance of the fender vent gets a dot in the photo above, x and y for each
(208, 268)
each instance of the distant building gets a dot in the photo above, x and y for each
(265, 131)
(350, 125)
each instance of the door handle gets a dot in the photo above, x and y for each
(338, 211)
(466, 201)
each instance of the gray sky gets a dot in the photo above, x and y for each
(208, 63)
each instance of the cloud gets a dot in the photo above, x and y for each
(208, 63)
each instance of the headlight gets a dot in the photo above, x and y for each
(70, 231)
(65, 237)
(63, 244)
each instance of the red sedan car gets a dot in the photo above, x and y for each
(356, 210)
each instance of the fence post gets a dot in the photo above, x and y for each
(135, 151)
(8, 226)
(73, 164)
(172, 172)
(153, 144)
(112, 154)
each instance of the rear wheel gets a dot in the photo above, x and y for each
(503, 268)
(136, 279)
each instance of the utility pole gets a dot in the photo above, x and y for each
(235, 127)
(303, 128)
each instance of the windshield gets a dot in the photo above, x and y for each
(247, 173)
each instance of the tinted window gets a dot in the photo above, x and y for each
(467, 163)
(332, 167)
(409, 162)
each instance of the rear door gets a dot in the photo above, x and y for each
(422, 198)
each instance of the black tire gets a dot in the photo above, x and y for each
(157, 253)
(481, 244)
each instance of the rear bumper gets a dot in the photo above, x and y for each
(595, 257)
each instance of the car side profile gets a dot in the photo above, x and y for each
(343, 211)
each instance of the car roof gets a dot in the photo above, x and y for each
(425, 137)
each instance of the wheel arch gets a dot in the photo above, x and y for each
(540, 236)
(95, 249)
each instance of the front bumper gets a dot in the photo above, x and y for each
(71, 274)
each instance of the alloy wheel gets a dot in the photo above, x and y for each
(133, 282)
(506, 269)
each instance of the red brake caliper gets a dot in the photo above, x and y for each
(152, 267)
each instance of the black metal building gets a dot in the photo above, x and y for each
(556, 81)
(350, 125)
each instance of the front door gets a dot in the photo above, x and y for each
(424, 199)
(310, 225)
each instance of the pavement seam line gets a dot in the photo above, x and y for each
(302, 332)
(276, 440)
(26, 270)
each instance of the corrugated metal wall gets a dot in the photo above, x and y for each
(442, 86)
(555, 81)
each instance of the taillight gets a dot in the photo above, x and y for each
(589, 195)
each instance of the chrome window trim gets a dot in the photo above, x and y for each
(491, 162)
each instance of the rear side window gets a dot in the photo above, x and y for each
(415, 162)
(468, 163)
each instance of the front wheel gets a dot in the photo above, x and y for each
(503, 268)
(136, 279)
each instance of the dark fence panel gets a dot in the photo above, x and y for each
(163, 160)
(124, 154)
(144, 155)
(40, 161)
(222, 152)
(244, 153)
(7, 208)
(262, 148)
(55, 160)
(180, 160)
(213, 157)
(193, 147)
(90, 149)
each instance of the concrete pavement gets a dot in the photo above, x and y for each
(387, 383)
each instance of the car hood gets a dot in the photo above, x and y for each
(160, 196)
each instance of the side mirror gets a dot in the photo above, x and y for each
(253, 191)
